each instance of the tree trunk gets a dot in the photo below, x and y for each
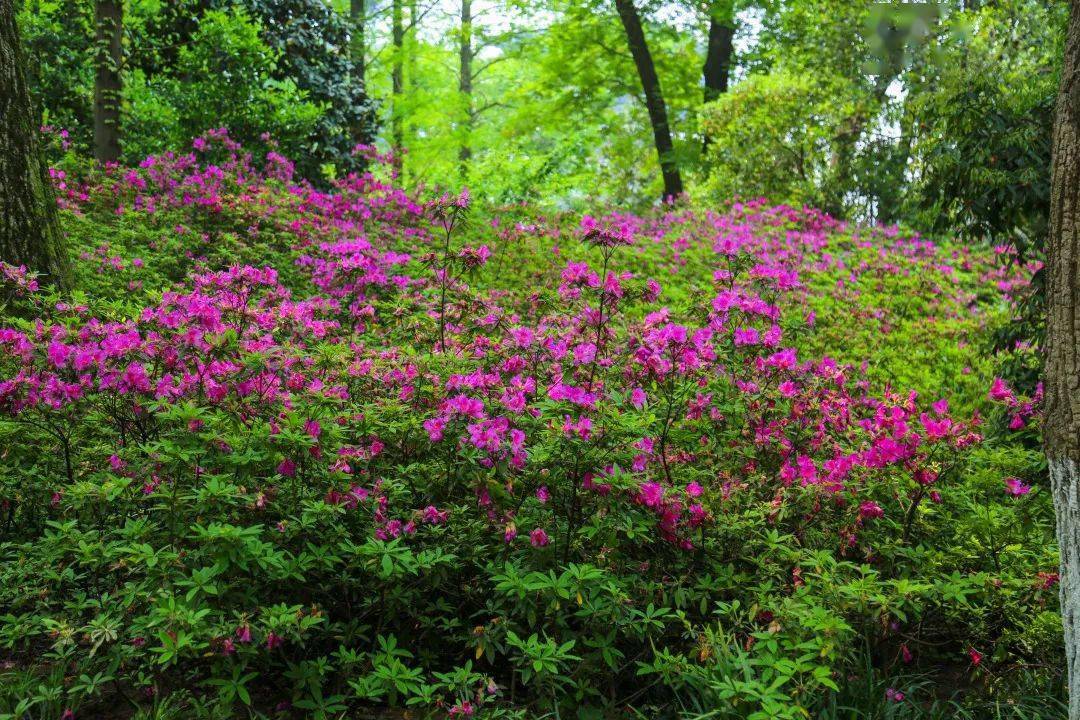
(1061, 432)
(716, 70)
(397, 80)
(108, 24)
(29, 229)
(654, 97)
(465, 86)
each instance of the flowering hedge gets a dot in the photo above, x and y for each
(309, 453)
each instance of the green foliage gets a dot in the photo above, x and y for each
(253, 66)
(205, 579)
(312, 40)
(206, 558)
(225, 77)
(58, 38)
(981, 128)
(778, 136)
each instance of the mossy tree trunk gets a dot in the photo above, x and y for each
(465, 87)
(108, 24)
(29, 229)
(397, 82)
(1061, 429)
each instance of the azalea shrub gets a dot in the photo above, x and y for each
(300, 453)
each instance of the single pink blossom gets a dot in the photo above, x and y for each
(1016, 487)
(538, 538)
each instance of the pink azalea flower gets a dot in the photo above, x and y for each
(1016, 487)
(870, 509)
(999, 391)
(584, 353)
(651, 494)
(462, 709)
(788, 389)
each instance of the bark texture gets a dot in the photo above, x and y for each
(109, 25)
(654, 96)
(29, 229)
(1061, 429)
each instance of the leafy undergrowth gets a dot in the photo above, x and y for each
(289, 453)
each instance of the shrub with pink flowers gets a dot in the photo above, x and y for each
(293, 453)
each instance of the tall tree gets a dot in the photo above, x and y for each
(29, 230)
(1061, 433)
(108, 30)
(465, 85)
(654, 97)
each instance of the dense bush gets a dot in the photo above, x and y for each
(307, 452)
(225, 76)
(981, 132)
(281, 67)
(778, 136)
(313, 40)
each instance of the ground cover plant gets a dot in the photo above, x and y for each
(358, 452)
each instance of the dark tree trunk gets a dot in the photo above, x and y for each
(1061, 431)
(718, 57)
(717, 68)
(465, 86)
(29, 230)
(109, 24)
(397, 80)
(654, 97)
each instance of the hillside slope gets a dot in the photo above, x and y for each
(312, 452)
